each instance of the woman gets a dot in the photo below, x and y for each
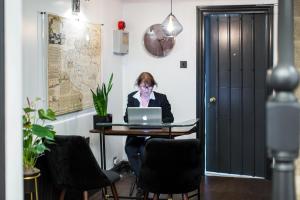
(144, 97)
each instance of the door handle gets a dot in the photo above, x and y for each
(212, 100)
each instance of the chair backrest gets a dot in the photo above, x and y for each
(171, 166)
(72, 164)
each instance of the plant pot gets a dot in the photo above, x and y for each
(30, 181)
(31, 172)
(102, 119)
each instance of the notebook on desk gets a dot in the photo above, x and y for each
(145, 116)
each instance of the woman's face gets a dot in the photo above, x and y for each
(145, 89)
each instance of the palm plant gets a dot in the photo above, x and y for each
(35, 133)
(100, 97)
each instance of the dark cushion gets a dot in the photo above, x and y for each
(171, 166)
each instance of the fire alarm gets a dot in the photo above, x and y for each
(121, 25)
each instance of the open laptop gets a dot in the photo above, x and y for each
(146, 116)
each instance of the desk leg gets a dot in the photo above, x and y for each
(101, 150)
(104, 152)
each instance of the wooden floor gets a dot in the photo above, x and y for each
(214, 188)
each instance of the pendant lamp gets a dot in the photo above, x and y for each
(76, 6)
(171, 25)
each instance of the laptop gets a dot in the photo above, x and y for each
(145, 116)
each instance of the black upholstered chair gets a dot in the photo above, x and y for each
(171, 167)
(73, 166)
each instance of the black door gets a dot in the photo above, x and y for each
(236, 56)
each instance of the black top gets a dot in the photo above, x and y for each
(160, 101)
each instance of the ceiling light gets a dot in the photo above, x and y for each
(76, 6)
(171, 25)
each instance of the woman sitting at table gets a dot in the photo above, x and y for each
(144, 97)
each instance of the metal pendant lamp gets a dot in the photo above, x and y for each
(171, 25)
(76, 6)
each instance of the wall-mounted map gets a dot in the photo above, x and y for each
(73, 63)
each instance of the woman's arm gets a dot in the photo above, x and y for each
(167, 116)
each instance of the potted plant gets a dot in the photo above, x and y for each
(35, 134)
(100, 99)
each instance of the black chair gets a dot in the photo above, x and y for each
(171, 167)
(73, 166)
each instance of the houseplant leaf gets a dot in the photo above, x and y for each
(41, 131)
(100, 100)
(35, 133)
(28, 109)
(49, 114)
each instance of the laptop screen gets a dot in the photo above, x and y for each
(148, 115)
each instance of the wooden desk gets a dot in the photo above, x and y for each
(170, 130)
(125, 131)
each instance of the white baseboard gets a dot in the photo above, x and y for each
(208, 173)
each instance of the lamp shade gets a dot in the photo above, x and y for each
(171, 26)
(76, 6)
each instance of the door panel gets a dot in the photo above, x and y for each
(236, 53)
(211, 26)
(248, 93)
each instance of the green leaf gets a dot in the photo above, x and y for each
(51, 114)
(46, 115)
(26, 123)
(36, 135)
(104, 90)
(27, 141)
(50, 142)
(93, 92)
(28, 110)
(41, 131)
(110, 83)
(100, 97)
(52, 137)
(39, 149)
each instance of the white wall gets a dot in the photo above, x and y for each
(13, 102)
(179, 84)
(106, 12)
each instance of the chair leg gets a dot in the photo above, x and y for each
(198, 195)
(185, 196)
(132, 187)
(62, 194)
(114, 191)
(146, 194)
(85, 195)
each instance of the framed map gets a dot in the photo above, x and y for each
(74, 54)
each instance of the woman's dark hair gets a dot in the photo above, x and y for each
(146, 78)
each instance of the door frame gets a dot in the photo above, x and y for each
(200, 51)
(2, 104)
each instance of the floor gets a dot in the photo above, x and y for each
(214, 188)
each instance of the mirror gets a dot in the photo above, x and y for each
(156, 42)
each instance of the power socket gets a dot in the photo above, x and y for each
(183, 64)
